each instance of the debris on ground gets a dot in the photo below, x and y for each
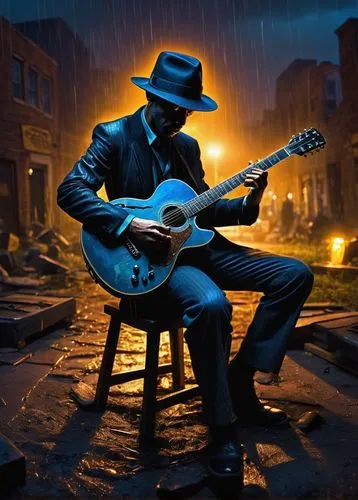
(309, 421)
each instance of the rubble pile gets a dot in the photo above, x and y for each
(43, 251)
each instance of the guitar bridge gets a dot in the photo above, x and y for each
(132, 249)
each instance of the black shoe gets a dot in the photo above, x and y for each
(263, 416)
(225, 458)
(247, 406)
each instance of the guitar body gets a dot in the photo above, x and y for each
(126, 270)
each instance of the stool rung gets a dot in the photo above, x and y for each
(120, 378)
(176, 397)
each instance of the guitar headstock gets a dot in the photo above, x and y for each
(306, 142)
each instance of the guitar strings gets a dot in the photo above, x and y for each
(174, 216)
(178, 213)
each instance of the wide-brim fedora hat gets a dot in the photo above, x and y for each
(177, 78)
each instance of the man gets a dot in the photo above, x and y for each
(132, 156)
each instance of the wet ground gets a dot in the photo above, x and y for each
(70, 451)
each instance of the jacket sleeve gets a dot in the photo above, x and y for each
(225, 212)
(77, 196)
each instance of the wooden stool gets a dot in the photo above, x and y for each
(150, 403)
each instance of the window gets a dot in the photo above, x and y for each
(32, 88)
(17, 78)
(46, 95)
(331, 88)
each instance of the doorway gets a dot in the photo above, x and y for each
(38, 192)
(8, 197)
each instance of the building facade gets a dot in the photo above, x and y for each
(28, 132)
(323, 96)
(342, 133)
(76, 113)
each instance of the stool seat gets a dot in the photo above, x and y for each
(88, 398)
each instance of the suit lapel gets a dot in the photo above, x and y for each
(141, 154)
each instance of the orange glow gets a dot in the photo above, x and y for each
(207, 127)
(135, 97)
(337, 250)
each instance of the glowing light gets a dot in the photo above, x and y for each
(338, 247)
(289, 196)
(274, 196)
(30, 171)
(214, 150)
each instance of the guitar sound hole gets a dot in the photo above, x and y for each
(173, 216)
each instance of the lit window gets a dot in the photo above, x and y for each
(33, 97)
(46, 95)
(17, 78)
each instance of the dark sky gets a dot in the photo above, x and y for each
(244, 43)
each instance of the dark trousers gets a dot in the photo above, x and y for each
(195, 290)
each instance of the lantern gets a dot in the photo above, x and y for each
(338, 247)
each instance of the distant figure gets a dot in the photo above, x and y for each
(287, 215)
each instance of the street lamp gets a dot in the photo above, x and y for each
(215, 151)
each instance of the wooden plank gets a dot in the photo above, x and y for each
(333, 357)
(304, 323)
(14, 358)
(323, 305)
(339, 335)
(338, 323)
(21, 298)
(17, 325)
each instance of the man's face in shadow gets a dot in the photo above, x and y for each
(165, 118)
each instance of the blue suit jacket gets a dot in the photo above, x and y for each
(120, 157)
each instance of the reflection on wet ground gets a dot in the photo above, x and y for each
(73, 452)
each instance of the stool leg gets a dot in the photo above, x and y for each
(105, 372)
(147, 424)
(176, 336)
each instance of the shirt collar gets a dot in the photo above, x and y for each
(148, 131)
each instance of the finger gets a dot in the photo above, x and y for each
(251, 183)
(162, 229)
(255, 178)
(260, 172)
(160, 236)
(262, 182)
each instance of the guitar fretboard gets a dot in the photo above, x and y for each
(204, 200)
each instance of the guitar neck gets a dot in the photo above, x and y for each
(204, 200)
